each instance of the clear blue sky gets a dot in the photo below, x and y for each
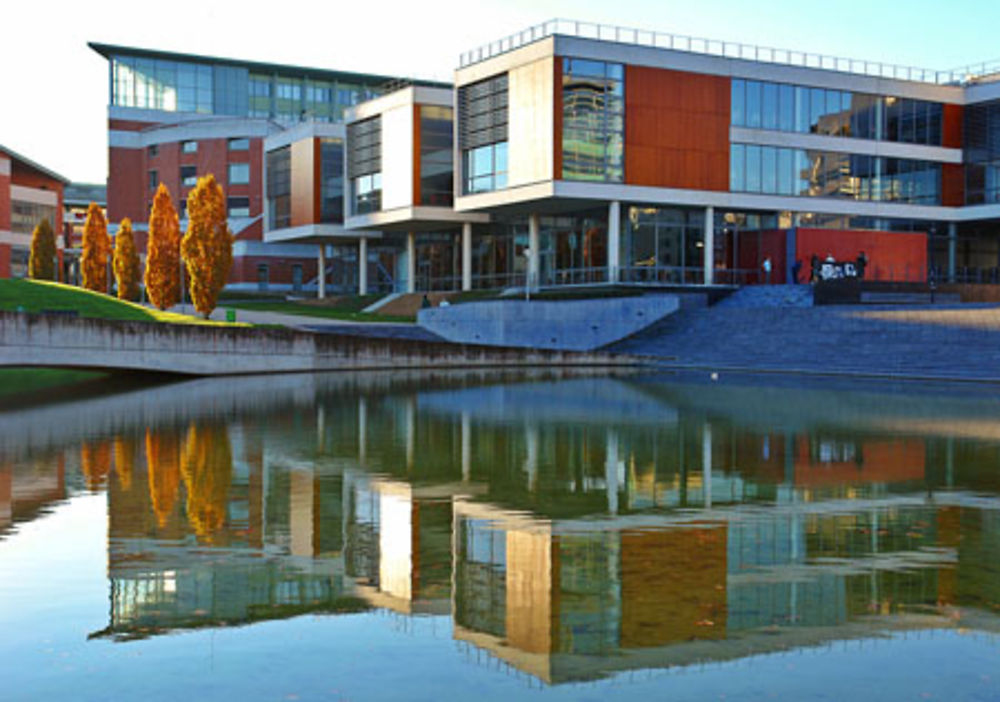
(55, 88)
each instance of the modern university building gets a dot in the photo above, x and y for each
(572, 154)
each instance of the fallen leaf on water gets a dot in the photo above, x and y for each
(705, 622)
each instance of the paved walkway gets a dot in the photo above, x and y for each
(322, 325)
(960, 342)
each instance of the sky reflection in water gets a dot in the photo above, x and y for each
(387, 537)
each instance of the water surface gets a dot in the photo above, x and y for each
(393, 536)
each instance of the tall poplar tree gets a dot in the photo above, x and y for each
(207, 246)
(163, 256)
(96, 248)
(126, 262)
(41, 260)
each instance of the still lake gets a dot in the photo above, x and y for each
(490, 536)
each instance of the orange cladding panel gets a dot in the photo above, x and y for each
(303, 166)
(951, 126)
(898, 256)
(416, 155)
(952, 184)
(677, 129)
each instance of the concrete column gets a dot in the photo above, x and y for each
(362, 266)
(611, 471)
(362, 430)
(709, 242)
(321, 277)
(467, 256)
(952, 250)
(411, 262)
(531, 455)
(466, 448)
(534, 225)
(614, 240)
(706, 463)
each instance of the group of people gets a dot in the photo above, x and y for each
(822, 269)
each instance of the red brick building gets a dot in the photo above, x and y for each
(28, 193)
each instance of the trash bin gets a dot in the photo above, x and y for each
(230, 315)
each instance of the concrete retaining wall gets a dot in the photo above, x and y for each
(35, 340)
(580, 325)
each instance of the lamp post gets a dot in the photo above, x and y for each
(527, 273)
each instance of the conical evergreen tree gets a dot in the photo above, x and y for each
(41, 260)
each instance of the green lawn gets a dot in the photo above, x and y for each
(347, 310)
(40, 296)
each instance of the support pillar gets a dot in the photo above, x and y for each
(362, 266)
(952, 250)
(706, 464)
(321, 273)
(467, 256)
(411, 262)
(709, 245)
(614, 240)
(466, 448)
(534, 225)
(611, 471)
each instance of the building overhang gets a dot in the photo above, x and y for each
(317, 234)
(410, 95)
(415, 219)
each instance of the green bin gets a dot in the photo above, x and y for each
(230, 315)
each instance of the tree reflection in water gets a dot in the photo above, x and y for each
(163, 461)
(95, 462)
(207, 467)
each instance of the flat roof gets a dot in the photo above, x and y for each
(982, 72)
(109, 50)
(25, 161)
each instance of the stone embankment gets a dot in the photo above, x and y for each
(38, 340)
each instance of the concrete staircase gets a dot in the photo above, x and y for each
(753, 296)
(959, 342)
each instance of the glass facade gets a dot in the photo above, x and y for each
(332, 180)
(662, 245)
(364, 165)
(279, 188)
(482, 134)
(779, 171)
(593, 133)
(437, 170)
(796, 108)
(982, 153)
(212, 88)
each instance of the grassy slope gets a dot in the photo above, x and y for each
(39, 296)
(344, 311)
(18, 381)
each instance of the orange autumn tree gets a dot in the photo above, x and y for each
(41, 260)
(207, 467)
(207, 246)
(163, 462)
(125, 262)
(96, 247)
(163, 257)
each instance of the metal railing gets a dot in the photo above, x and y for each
(724, 49)
(662, 275)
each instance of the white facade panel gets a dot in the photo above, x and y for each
(530, 122)
(34, 195)
(397, 157)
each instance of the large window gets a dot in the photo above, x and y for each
(797, 108)
(25, 216)
(238, 206)
(779, 171)
(239, 173)
(482, 134)
(662, 245)
(189, 176)
(593, 120)
(437, 168)
(364, 165)
(279, 188)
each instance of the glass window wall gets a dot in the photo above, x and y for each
(279, 187)
(437, 168)
(662, 245)
(482, 134)
(593, 97)
(332, 179)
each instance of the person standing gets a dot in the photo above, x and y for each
(766, 267)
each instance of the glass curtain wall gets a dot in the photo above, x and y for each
(437, 169)
(364, 165)
(779, 171)
(796, 108)
(662, 245)
(593, 129)
(482, 134)
(212, 88)
(982, 153)
(439, 261)
(279, 188)
(332, 180)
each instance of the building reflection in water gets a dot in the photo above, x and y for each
(570, 529)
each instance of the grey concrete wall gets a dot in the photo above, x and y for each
(580, 325)
(35, 340)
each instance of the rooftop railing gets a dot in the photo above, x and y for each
(725, 49)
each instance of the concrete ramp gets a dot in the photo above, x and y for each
(578, 325)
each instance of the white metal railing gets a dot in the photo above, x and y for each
(726, 49)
